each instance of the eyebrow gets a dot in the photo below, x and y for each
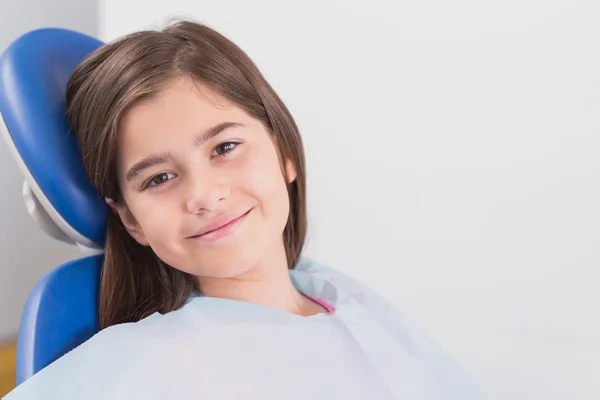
(147, 162)
(162, 158)
(214, 131)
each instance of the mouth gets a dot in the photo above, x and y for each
(223, 226)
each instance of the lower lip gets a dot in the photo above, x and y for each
(223, 231)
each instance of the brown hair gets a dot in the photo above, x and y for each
(135, 283)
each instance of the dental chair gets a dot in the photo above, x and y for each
(61, 310)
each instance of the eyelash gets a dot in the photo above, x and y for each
(235, 144)
(148, 183)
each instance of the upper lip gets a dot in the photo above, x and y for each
(219, 222)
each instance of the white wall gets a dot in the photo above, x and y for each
(26, 252)
(454, 162)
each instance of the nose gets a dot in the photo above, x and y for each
(204, 193)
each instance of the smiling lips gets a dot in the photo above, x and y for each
(221, 227)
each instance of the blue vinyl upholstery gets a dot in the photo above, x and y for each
(61, 311)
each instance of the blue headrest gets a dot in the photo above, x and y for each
(33, 74)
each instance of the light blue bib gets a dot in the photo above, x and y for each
(225, 349)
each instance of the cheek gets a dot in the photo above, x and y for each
(263, 179)
(157, 219)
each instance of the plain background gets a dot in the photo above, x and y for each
(453, 158)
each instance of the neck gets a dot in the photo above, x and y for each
(268, 283)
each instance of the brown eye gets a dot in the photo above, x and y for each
(224, 148)
(160, 179)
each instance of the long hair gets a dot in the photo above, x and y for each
(135, 283)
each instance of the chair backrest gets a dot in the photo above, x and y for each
(59, 315)
(61, 311)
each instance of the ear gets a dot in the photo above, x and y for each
(129, 221)
(291, 171)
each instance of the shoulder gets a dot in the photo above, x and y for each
(109, 364)
(84, 371)
(345, 283)
(312, 267)
(65, 377)
(448, 373)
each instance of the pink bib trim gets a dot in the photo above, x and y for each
(327, 307)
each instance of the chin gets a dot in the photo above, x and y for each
(224, 266)
(221, 272)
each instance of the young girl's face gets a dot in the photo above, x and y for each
(202, 182)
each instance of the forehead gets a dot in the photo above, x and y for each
(178, 112)
(181, 103)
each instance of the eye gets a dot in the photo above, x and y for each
(160, 179)
(224, 148)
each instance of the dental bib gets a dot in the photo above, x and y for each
(226, 349)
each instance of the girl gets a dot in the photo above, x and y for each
(204, 293)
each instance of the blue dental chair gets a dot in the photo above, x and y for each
(61, 311)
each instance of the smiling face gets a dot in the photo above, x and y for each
(202, 183)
